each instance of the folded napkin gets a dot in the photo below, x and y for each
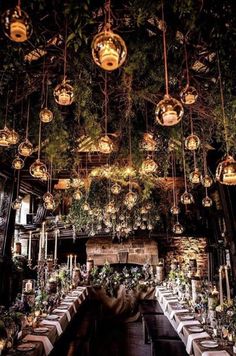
(39, 338)
(166, 302)
(192, 337)
(53, 323)
(185, 323)
(172, 314)
(65, 311)
(215, 353)
(161, 295)
(70, 303)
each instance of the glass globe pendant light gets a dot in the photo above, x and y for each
(16, 204)
(177, 227)
(38, 168)
(175, 208)
(64, 92)
(45, 114)
(149, 166)
(25, 148)
(77, 194)
(192, 142)
(207, 201)
(195, 176)
(108, 49)
(189, 94)
(226, 169)
(17, 24)
(130, 199)
(116, 189)
(186, 198)
(169, 111)
(18, 163)
(49, 203)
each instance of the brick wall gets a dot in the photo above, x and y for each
(138, 250)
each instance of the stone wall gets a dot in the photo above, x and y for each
(139, 250)
(182, 249)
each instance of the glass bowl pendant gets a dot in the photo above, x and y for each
(207, 202)
(192, 142)
(64, 93)
(18, 163)
(86, 206)
(45, 177)
(46, 115)
(186, 198)
(47, 197)
(38, 169)
(13, 137)
(110, 208)
(169, 111)
(206, 181)
(25, 148)
(148, 142)
(105, 145)
(148, 166)
(16, 204)
(77, 194)
(174, 210)
(195, 176)
(188, 95)
(49, 205)
(108, 49)
(4, 137)
(130, 199)
(116, 189)
(17, 25)
(178, 229)
(226, 171)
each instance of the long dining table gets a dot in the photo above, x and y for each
(55, 324)
(184, 321)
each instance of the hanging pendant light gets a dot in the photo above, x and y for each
(18, 163)
(192, 142)
(49, 202)
(4, 137)
(207, 202)
(116, 189)
(186, 198)
(64, 93)
(45, 177)
(105, 145)
(130, 199)
(49, 205)
(108, 49)
(195, 176)
(148, 142)
(110, 208)
(177, 228)
(46, 115)
(38, 168)
(226, 169)
(13, 138)
(207, 181)
(86, 206)
(189, 94)
(16, 204)
(169, 111)
(174, 210)
(47, 197)
(149, 166)
(77, 194)
(17, 24)
(25, 148)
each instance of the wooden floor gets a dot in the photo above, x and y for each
(91, 335)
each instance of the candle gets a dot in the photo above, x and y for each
(227, 284)
(40, 247)
(75, 261)
(71, 264)
(55, 246)
(30, 243)
(28, 286)
(46, 246)
(220, 286)
(68, 262)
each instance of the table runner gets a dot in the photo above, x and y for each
(53, 323)
(39, 338)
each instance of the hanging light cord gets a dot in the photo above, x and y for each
(50, 179)
(186, 61)
(65, 52)
(6, 112)
(27, 120)
(108, 12)
(204, 154)
(184, 164)
(173, 176)
(40, 127)
(18, 184)
(106, 103)
(222, 104)
(191, 120)
(165, 52)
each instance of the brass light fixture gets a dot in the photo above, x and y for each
(169, 111)
(178, 228)
(195, 176)
(45, 114)
(189, 94)
(25, 148)
(77, 194)
(18, 163)
(105, 144)
(38, 168)
(108, 49)
(192, 142)
(226, 169)
(64, 92)
(149, 166)
(17, 24)
(116, 189)
(186, 198)
(49, 203)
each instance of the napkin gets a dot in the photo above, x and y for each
(65, 311)
(39, 338)
(70, 303)
(162, 295)
(166, 302)
(186, 322)
(215, 353)
(172, 314)
(54, 323)
(192, 337)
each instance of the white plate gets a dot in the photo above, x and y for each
(52, 317)
(196, 329)
(187, 317)
(27, 346)
(41, 330)
(211, 344)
